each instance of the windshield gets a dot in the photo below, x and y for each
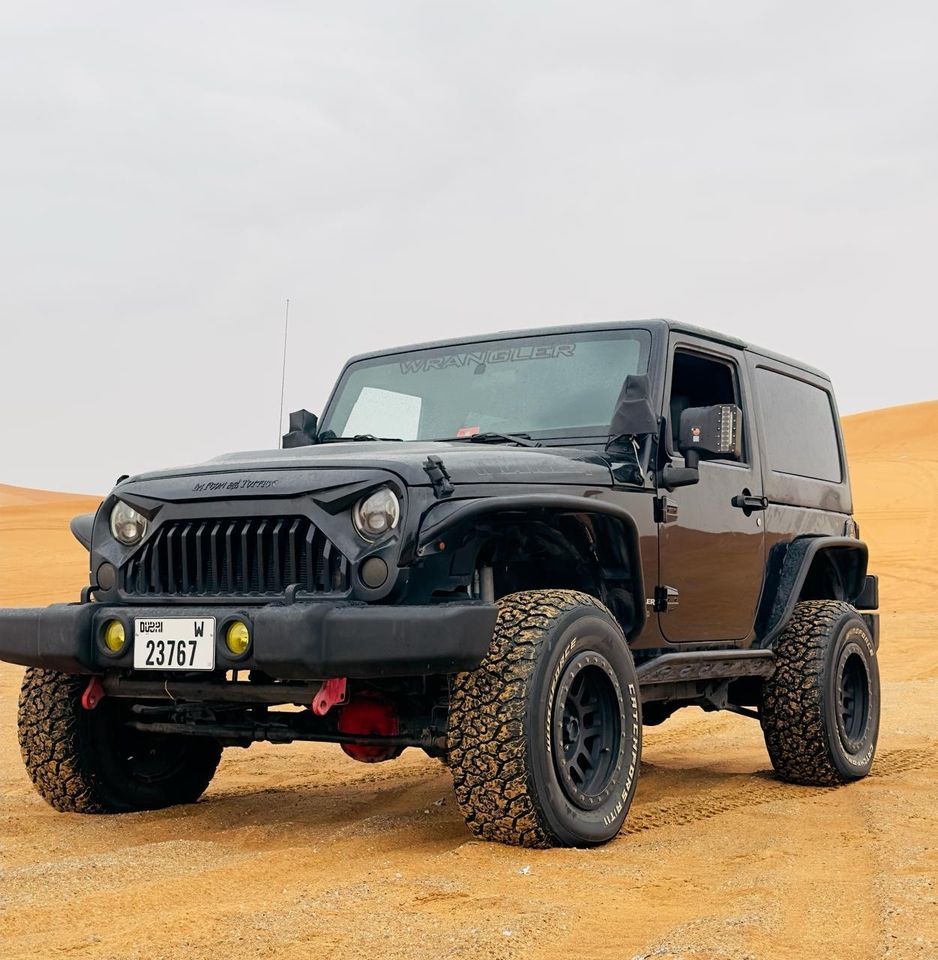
(547, 385)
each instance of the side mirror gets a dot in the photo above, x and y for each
(708, 431)
(302, 429)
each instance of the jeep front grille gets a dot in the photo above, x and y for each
(258, 555)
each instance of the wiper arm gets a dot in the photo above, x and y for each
(521, 439)
(330, 437)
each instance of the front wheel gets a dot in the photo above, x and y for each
(545, 736)
(90, 761)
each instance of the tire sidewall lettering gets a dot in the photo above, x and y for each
(575, 632)
(851, 636)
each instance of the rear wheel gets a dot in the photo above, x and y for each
(820, 711)
(89, 761)
(545, 736)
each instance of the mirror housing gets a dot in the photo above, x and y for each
(302, 430)
(710, 431)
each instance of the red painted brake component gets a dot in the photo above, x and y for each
(93, 695)
(370, 715)
(330, 693)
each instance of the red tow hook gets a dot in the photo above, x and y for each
(331, 692)
(93, 695)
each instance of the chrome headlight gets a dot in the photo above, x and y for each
(127, 525)
(376, 514)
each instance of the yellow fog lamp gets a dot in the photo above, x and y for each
(237, 638)
(114, 636)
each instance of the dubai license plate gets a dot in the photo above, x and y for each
(174, 643)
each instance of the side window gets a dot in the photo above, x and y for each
(800, 433)
(699, 381)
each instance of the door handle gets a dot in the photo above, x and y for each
(748, 503)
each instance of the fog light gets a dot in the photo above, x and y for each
(114, 636)
(237, 638)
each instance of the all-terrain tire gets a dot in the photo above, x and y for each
(545, 735)
(820, 709)
(87, 761)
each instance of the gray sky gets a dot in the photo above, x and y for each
(405, 171)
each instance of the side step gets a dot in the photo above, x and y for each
(691, 665)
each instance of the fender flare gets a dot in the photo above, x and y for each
(445, 517)
(788, 569)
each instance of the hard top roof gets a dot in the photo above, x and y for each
(659, 325)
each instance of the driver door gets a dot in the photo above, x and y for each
(713, 553)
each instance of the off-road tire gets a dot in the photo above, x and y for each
(509, 723)
(85, 761)
(820, 709)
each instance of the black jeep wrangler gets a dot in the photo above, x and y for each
(510, 552)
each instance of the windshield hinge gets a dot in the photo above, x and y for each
(665, 510)
(664, 599)
(439, 476)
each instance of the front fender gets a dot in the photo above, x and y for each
(458, 518)
(82, 527)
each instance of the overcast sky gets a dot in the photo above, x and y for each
(405, 171)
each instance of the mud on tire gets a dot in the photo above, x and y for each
(87, 761)
(545, 736)
(820, 710)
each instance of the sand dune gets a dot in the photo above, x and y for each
(40, 561)
(298, 849)
(894, 471)
(25, 497)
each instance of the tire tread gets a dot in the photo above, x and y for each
(487, 746)
(59, 753)
(793, 699)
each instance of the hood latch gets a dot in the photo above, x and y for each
(439, 477)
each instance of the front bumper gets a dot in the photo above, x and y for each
(304, 640)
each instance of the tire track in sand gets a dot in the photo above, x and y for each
(759, 789)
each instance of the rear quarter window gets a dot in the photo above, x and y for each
(800, 432)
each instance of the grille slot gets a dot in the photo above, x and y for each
(244, 556)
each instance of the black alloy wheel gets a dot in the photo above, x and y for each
(587, 728)
(545, 736)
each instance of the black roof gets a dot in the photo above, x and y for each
(662, 325)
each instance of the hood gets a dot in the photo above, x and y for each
(300, 469)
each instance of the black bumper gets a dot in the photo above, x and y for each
(299, 641)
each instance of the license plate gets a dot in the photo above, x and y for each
(174, 643)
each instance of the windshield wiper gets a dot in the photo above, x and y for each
(330, 437)
(521, 439)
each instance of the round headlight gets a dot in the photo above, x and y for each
(376, 514)
(127, 525)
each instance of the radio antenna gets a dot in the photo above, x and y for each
(283, 370)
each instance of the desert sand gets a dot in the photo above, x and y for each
(297, 851)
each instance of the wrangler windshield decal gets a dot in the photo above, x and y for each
(513, 355)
